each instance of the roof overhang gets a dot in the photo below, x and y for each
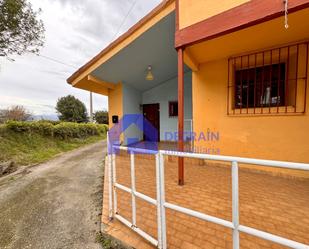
(155, 47)
(266, 35)
(243, 16)
(93, 84)
(80, 77)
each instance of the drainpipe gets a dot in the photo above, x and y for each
(180, 115)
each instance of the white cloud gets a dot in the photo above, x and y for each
(76, 30)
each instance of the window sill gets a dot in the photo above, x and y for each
(266, 111)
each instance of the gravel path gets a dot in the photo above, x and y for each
(55, 204)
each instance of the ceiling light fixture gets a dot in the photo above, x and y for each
(149, 75)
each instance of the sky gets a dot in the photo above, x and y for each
(76, 30)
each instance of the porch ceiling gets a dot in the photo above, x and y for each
(261, 36)
(155, 47)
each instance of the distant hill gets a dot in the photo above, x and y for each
(52, 117)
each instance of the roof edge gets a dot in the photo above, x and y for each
(121, 38)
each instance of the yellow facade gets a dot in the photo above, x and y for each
(267, 137)
(277, 137)
(193, 11)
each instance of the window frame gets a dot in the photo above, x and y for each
(170, 108)
(295, 58)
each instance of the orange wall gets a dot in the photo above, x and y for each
(266, 137)
(193, 11)
(115, 103)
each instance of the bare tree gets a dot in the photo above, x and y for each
(16, 113)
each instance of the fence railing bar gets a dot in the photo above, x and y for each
(162, 201)
(200, 215)
(124, 188)
(137, 230)
(146, 198)
(135, 149)
(114, 182)
(235, 205)
(110, 181)
(133, 189)
(271, 237)
(159, 218)
(137, 194)
(110, 187)
(270, 163)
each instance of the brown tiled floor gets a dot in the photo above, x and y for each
(275, 204)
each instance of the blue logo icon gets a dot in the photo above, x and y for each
(144, 127)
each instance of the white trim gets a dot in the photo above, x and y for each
(235, 205)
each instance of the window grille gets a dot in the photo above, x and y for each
(269, 82)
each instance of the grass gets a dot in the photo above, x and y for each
(107, 242)
(29, 149)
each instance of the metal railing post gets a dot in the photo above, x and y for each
(110, 182)
(133, 189)
(159, 216)
(162, 200)
(114, 182)
(235, 205)
(110, 188)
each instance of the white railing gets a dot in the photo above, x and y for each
(191, 139)
(114, 185)
(161, 204)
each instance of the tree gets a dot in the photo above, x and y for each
(16, 113)
(20, 29)
(101, 117)
(71, 109)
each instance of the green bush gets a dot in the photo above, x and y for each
(73, 130)
(19, 126)
(102, 128)
(39, 127)
(63, 130)
(53, 122)
(42, 128)
(2, 129)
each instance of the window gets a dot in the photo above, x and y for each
(268, 82)
(173, 108)
(260, 86)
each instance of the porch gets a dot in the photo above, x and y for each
(124, 79)
(267, 201)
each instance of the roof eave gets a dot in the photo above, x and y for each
(121, 38)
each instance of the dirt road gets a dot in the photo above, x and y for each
(56, 204)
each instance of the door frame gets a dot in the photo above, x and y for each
(158, 105)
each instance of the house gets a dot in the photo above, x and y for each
(237, 70)
(232, 68)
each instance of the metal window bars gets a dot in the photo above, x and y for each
(162, 205)
(273, 81)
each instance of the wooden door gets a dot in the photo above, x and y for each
(152, 113)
